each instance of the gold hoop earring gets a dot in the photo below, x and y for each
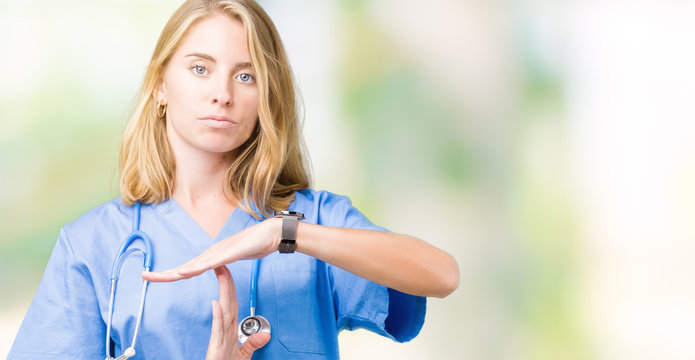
(160, 114)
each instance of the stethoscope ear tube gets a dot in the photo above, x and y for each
(135, 235)
(123, 252)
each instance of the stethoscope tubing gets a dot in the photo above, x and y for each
(123, 252)
(253, 323)
(135, 235)
(253, 289)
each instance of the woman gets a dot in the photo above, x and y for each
(212, 150)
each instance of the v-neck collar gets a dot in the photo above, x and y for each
(180, 220)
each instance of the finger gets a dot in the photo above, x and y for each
(232, 291)
(233, 301)
(223, 278)
(162, 276)
(193, 267)
(217, 331)
(199, 264)
(253, 343)
(222, 253)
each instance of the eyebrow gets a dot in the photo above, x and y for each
(210, 58)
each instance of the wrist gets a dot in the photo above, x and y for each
(275, 225)
(288, 237)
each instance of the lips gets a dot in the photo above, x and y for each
(218, 118)
(218, 122)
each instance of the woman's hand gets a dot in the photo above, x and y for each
(253, 242)
(223, 336)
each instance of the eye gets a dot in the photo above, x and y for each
(199, 69)
(245, 77)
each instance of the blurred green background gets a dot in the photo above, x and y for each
(546, 144)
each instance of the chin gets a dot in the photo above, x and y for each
(220, 142)
(220, 147)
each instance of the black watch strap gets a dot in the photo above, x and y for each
(288, 240)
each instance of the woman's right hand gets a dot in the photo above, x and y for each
(224, 344)
(254, 242)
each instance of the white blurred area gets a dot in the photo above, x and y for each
(631, 90)
(629, 138)
(624, 140)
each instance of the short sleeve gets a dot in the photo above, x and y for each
(364, 304)
(63, 320)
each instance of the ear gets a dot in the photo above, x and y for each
(159, 93)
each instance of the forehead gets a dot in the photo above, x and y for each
(219, 35)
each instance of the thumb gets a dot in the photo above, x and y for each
(253, 343)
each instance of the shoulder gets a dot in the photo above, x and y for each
(327, 208)
(95, 233)
(110, 217)
(320, 199)
(100, 216)
(322, 203)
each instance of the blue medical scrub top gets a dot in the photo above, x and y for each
(306, 300)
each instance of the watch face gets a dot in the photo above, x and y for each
(299, 215)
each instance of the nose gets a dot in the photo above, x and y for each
(223, 94)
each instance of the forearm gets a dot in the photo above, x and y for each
(400, 262)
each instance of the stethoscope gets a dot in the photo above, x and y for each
(250, 325)
(253, 324)
(123, 252)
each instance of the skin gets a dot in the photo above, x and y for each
(223, 337)
(398, 261)
(204, 153)
(210, 75)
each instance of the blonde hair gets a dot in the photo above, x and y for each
(269, 167)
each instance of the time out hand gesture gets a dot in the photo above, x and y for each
(253, 242)
(223, 336)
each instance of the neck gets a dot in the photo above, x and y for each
(199, 185)
(200, 178)
(199, 189)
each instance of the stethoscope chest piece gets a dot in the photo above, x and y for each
(253, 324)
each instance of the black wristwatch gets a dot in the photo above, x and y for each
(288, 241)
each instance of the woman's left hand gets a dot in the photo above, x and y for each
(253, 242)
(223, 336)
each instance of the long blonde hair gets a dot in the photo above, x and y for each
(270, 166)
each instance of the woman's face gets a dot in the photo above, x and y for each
(210, 88)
